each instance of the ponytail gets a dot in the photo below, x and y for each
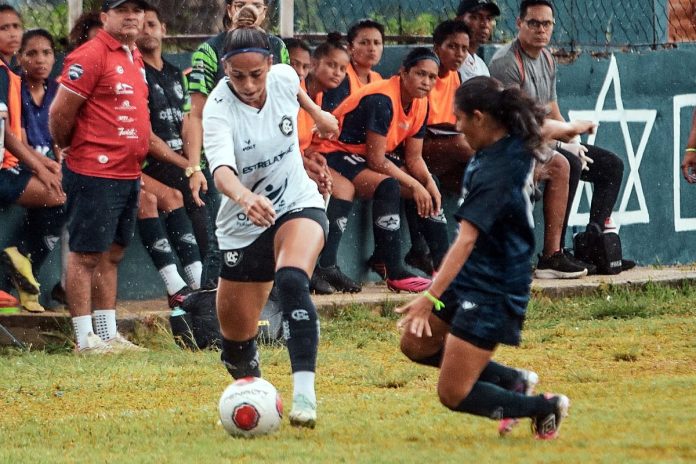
(334, 41)
(518, 113)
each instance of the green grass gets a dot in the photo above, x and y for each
(626, 359)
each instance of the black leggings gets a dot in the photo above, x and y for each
(606, 175)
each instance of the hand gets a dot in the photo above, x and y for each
(258, 209)
(197, 184)
(583, 127)
(434, 192)
(579, 150)
(326, 125)
(52, 181)
(416, 315)
(51, 165)
(318, 170)
(689, 167)
(424, 202)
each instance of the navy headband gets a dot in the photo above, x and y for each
(231, 53)
(425, 56)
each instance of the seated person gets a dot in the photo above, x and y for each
(379, 151)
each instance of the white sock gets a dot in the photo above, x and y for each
(105, 323)
(172, 279)
(303, 383)
(83, 327)
(193, 274)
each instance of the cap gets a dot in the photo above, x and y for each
(470, 5)
(110, 4)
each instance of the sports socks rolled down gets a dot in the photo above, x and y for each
(337, 212)
(180, 231)
(386, 226)
(158, 247)
(241, 358)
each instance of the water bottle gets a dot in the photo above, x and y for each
(182, 328)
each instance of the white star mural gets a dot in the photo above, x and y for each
(633, 154)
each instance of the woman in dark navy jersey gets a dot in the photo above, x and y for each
(479, 298)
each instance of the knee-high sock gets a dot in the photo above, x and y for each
(489, 400)
(241, 358)
(435, 231)
(337, 212)
(42, 228)
(181, 235)
(387, 227)
(418, 243)
(157, 245)
(300, 323)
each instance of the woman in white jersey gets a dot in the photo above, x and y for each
(271, 224)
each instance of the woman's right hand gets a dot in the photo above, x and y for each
(198, 184)
(51, 180)
(258, 209)
(424, 202)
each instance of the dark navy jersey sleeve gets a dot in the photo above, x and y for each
(374, 113)
(421, 132)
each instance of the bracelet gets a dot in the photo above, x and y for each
(690, 150)
(436, 302)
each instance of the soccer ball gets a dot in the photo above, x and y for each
(250, 407)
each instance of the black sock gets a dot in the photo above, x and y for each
(241, 358)
(181, 234)
(418, 243)
(494, 402)
(386, 226)
(435, 232)
(156, 243)
(212, 260)
(300, 323)
(502, 376)
(337, 212)
(42, 228)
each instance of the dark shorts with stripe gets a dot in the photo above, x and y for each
(484, 325)
(99, 211)
(349, 165)
(256, 262)
(13, 183)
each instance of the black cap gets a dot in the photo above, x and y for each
(470, 5)
(110, 4)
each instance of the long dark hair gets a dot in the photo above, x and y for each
(521, 115)
(361, 24)
(30, 34)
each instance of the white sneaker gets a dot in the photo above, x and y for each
(94, 345)
(120, 344)
(303, 413)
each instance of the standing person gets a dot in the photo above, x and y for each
(527, 64)
(27, 178)
(206, 73)
(688, 165)
(85, 28)
(479, 298)
(271, 225)
(103, 82)
(379, 151)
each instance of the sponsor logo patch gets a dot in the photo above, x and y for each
(232, 258)
(286, 126)
(75, 72)
(123, 89)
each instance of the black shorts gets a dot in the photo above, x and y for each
(13, 183)
(349, 165)
(484, 325)
(99, 211)
(256, 262)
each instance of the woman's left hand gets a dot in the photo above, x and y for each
(326, 125)
(416, 315)
(431, 187)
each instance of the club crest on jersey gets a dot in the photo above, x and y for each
(232, 258)
(286, 126)
(75, 72)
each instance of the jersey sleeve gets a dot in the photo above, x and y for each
(4, 86)
(421, 132)
(218, 135)
(82, 70)
(204, 66)
(506, 70)
(289, 79)
(378, 113)
(485, 202)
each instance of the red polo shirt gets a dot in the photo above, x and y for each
(112, 129)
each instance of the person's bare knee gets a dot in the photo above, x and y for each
(148, 205)
(450, 394)
(171, 200)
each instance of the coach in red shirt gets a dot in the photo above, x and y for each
(101, 121)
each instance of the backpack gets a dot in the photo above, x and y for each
(520, 63)
(197, 326)
(601, 248)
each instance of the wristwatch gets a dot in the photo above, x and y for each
(188, 172)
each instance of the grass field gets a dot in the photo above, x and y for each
(627, 360)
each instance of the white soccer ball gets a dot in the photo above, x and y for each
(250, 407)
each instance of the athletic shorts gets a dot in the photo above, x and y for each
(484, 325)
(256, 262)
(99, 211)
(349, 165)
(13, 183)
